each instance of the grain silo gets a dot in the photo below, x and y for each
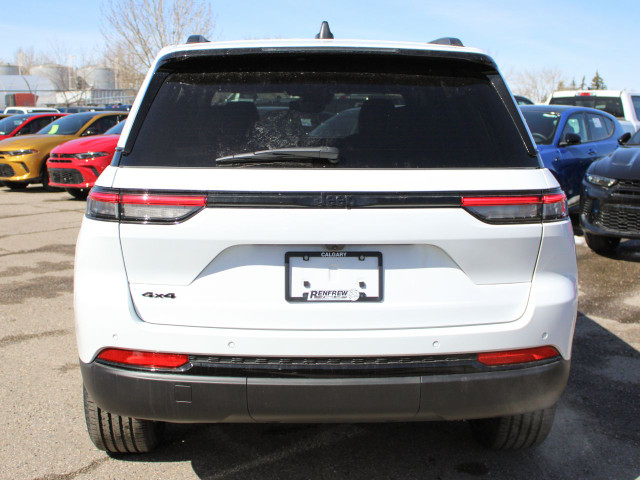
(6, 69)
(98, 78)
(59, 75)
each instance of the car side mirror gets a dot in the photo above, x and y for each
(624, 138)
(88, 132)
(571, 139)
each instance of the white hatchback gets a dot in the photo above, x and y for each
(235, 267)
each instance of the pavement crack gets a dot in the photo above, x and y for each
(66, 476)
(329, 437)
(63, 249)
(13, 339)
(40, 231)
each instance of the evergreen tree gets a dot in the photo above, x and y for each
(582, 84)
(573, 85)
(597, 83)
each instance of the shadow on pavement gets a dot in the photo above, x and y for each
(595, 435)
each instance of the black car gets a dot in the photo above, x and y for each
(610, 200)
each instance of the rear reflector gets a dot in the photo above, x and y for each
(143, 208)
(143, 359)
(518, 209)
(517, 356)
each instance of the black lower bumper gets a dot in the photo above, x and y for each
(205, 399)
(610, 212)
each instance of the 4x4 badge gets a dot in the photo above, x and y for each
(159, 295)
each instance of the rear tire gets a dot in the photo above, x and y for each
(15, 185)
(78, 193)
(600, 243)
(514, 432)
(117, 434)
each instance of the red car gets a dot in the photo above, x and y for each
(76, 165)
(26, 123)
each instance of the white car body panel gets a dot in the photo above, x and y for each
(100, 279)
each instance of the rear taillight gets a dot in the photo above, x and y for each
(136, 358)
(524, 355)
(103, 204)
(518, 209)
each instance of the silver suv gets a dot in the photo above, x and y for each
(237, 264)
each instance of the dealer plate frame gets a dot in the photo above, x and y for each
(303, 299)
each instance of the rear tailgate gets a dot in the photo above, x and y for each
(225, 266)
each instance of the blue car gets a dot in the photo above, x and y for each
(569, 139)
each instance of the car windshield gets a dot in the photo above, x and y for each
(69, 125)
(116, 129)
(451, 118)
(611, 105)
(543, 125)
(635, 139)
(9, 124)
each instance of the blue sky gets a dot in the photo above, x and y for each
(577, 37)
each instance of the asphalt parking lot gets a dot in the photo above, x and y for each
(42, 431)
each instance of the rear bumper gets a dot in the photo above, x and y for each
(203, 399)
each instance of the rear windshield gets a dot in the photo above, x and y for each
(116, 129)
(452, 118)
(611, 105)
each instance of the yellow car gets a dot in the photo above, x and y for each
(23, 160)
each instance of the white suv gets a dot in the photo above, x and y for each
(233, 268)
(13, 110)
(622, 104)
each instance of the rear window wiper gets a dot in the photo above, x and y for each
(292, 154)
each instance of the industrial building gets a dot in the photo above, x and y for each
(58, 85)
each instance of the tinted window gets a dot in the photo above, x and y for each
(636, 106)
(576, 124)
(599, 127)
(9, 124)
(542, 125)
(69, 125)
(635, 139)
(117, 130)
(611, 105)
(101, 125)
(452, 118)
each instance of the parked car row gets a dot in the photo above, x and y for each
(595, 162)
(31, 139)
(74, 109)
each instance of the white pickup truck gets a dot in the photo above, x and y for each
(622, 104)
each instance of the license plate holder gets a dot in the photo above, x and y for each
(316, 277)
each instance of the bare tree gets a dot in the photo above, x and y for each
(135, 30)
(27, 57)
(538, 84)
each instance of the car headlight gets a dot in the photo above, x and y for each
(601, 181)
(89, 155)
(14, 153)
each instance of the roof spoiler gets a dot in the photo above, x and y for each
(451, 41)
(197, 39)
